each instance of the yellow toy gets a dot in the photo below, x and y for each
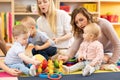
(60, 66)
(50, 67)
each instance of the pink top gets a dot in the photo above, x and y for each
(92, 51)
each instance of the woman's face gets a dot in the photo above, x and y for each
(80, 20)
(43, 5)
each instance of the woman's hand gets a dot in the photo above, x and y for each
(14, 72)
(63, 58)
(56, 40)
(111, 67)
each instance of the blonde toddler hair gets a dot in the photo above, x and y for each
(94, 29)
(28, 21)
(18, 30)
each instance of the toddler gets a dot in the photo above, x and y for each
(16, 57)
(90, 53)
(42, 43)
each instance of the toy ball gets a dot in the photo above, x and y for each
(42, 60)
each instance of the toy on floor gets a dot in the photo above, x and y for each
(40, 68)
(71, 62)
(54, 77)
(51, 69)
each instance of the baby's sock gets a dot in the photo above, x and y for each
(88, 70)
(74, 67)
(32, 70)
(66, 69)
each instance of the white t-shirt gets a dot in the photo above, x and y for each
(12, 55)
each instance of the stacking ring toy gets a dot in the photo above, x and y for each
(54, 76)
(43, 75)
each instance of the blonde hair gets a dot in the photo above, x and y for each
(94, 29)
(18, 30)
(50, 15)
(28, 21)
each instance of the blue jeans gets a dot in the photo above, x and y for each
(48, 52)
(21, 67)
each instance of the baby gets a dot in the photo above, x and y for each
(90, 53)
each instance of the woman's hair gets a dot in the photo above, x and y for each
(77, 31)
(18, 30)
(51, 15)
(94, 29)
(28, 21)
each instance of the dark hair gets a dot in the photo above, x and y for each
(88, 15)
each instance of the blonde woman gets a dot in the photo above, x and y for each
(55, 23)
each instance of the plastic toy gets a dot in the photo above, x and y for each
(60, 66)
(43, 75)
(43, 62)
(50, 67)
(51, 72)
(71, 62)
(54, 76)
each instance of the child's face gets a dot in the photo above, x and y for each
(86, 35)
(32, 31)
(22, 39)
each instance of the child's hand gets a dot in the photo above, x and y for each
(14, 72)
(37, 47)
(63, 58)
(36, 62)
(80, 58)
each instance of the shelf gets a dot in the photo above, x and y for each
(26, 13)
(5, 0)
(109, 0)
(115, 23)
(78, 0)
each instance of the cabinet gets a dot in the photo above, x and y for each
(17, 9)
(6, 10)
(111, 7)
(70, 5)
(101, 7)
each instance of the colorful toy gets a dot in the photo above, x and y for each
(71, 62)
(54, 76)
(50, 67)
(56, 63)
(43, 63)
(60, 66)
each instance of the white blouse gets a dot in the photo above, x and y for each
(63, 27)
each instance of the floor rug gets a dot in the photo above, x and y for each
(4, 74)
(95, 76)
